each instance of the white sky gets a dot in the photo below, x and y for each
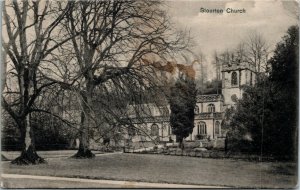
(218, 32)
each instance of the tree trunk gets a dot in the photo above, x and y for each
(181, 145)
(226, 144)
(83, 150)
(3, 68)
(86, 121)
(28, 154)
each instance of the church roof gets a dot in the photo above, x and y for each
(153, 119)
(210, 98)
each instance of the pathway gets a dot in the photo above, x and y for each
(32, 181)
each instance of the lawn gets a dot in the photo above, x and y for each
(168, 169)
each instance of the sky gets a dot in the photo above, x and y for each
(218, 32)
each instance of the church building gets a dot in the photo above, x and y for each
(209, 109)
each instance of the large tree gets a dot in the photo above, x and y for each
(256, 52)
(245, 127)
(116, 37)
(182, 104)
(29, 36)
(284, 77)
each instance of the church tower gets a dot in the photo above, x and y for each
(234, 76)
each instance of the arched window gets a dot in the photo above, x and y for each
(234, 78)
(163, 129)
(201, 128)
(154, 130)
(196, 111)
(217, 128)
(211, 108)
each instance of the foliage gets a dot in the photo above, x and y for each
(265, 119)
(284, 77)
(182, 103)
(9, 134)
(211, 87)
(50, 133)
(245, 125)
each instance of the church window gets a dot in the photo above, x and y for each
(201, 128)
(250, 78)
(162, 129)
(196, 111)
(169, 130)
(217, 128)
(211, 108)
(234, 78)
(154, 130)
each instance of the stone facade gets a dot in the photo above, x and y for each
(208, 117)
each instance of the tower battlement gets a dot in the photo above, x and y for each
(238, 66)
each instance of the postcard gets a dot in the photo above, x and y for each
(150, 94)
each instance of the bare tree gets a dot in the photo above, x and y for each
(217, 65)
(29, 35)
(202, 60)
(257, 51)
(254, 50)
(241, 52)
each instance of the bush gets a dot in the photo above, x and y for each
(201, 136)
(50, 134)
